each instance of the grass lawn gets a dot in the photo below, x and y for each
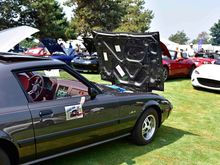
(191, 135)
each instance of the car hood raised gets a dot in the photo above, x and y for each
(130, 59)
(89, 44)
(13, 36)
(52, 45)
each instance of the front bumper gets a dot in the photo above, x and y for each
(205, 83)
(166, 108)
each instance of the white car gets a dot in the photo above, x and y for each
(207, 76)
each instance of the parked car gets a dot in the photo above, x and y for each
(56, 51)
(176, 67)
(207, 76)
(47, 109)
(87, 62)
(37, 51)
(203, 58)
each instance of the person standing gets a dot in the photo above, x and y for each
(191, 52)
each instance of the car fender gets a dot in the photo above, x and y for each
(153, 104)
(4, 136)
(9, 146)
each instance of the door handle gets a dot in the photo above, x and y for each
(46, 113)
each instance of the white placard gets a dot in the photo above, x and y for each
(117, 48)
(120, 71)
(52, 73)
(105, 56)
(73, 112)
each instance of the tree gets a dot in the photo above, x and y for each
(135, 18)
(46, 15)
(180, 37)
(96, 14)
(215, 33)
(203, 37)
(111, 15)
(9, 13)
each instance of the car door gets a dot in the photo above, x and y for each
(70, 118)
(130, 59)
(183, 66)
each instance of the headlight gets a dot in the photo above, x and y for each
(197, 63)
(196, 72)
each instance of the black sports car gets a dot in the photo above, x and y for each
(87, 62)
(47, 109)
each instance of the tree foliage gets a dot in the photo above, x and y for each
(202, 37)
(180, 37)
(9, 13)
(96, 14)
(135, 18)
(215, 33)
(111, 15)
(46, 15)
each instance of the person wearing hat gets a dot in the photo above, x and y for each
(191, 52)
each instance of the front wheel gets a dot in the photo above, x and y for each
(146, 127)
(165, 73)
(4, 159)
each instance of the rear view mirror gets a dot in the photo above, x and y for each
(93, 93)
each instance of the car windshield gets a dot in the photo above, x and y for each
(204, 55)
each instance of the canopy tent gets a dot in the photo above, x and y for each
(170, 45)
(11, 37)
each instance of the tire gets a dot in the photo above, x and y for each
(191, 70)
(165, 73)
(141, 135)
(4, 159)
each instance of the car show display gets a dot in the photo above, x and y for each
(207, 76)
(54, 110)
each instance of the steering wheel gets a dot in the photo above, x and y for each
(37, 86)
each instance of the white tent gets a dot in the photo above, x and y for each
(170, 45)
(11, 37)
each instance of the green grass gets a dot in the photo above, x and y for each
(191, 135)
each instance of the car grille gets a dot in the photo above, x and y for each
(209, 82)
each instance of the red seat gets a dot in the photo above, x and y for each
(24, 79)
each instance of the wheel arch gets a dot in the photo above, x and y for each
(151, 104)
(168, 70)
(9, 147)
(191, 69)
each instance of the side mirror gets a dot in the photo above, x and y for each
(93, 93)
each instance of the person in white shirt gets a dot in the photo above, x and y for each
(191, 52)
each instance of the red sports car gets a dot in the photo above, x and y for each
(37, 51)
(203, 58)
(175, 67)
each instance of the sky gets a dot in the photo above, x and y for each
(170, 16)
(192, 16)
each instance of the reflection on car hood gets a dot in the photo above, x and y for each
(52, 45)
(130, 59)
(13, 36)
(209, 71)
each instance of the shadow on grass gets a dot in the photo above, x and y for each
(177, 79)
(207, 90)
(120, 151)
